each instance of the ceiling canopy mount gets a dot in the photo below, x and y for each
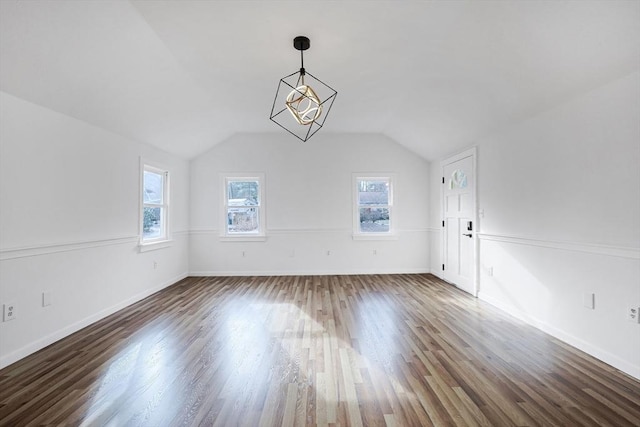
(301, 43)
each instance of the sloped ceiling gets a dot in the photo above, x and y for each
(434, 76)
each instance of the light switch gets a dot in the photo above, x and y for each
(46, 299)
(589, 300)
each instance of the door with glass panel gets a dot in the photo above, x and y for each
(459, 227)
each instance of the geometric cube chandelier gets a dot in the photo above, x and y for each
(302, 102)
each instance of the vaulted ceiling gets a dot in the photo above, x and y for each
(433, 75)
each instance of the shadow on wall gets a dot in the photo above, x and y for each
(506, 279)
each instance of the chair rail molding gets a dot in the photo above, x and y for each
(592, 248)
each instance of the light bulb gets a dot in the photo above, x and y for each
(304, 105)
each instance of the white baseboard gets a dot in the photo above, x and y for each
(204, 273)
(39, 344)
(437, 273)
(598, 353)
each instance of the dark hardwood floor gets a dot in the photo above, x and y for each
(398, 350)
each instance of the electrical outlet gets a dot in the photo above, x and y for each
(633, 314)
(8, 312)
(155, 264)
(375, 252)
(328, 252)
(490, 271)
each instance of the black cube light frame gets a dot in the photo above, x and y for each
(294, 92)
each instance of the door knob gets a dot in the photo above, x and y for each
(468, 235)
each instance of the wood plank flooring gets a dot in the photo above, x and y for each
(395, 350)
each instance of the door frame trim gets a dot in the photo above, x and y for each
(475, 271)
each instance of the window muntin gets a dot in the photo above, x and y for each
(155, 204)
(373, 213)
(244, 206)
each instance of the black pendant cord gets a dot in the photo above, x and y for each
(302, 72)
(301, 43)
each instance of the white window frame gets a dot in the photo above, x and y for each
(260, 234)
(165, 238)
(372, 235)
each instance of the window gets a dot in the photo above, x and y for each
(373, 210)
(155, 205)
(244, 211)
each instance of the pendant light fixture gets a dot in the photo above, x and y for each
(306, 99)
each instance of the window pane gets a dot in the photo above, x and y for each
(373, 192)
(374, 220)
(152, 186)
(243, 193)
(458, 180)
(242, 220)
(152, 223)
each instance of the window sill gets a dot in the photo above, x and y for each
(243, 238)
(152, 246)
(372, 236)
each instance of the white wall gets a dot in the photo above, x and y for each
(309, 206)
(561, 196)
(69, 225)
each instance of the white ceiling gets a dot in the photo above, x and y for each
(432, 75)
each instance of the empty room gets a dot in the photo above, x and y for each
(319, 213)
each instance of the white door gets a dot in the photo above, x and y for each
(459, 225)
